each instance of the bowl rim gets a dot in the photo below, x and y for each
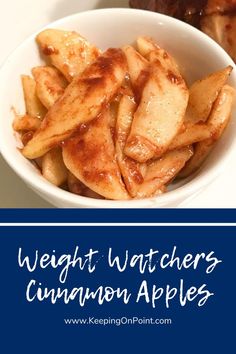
(43, 187)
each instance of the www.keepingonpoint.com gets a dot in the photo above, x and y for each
(122, 321)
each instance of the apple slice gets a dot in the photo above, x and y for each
(202, 95)
(68, 51)
(132, 171)
(82, 101)
(90, 157)
(152, 51)
(163, 171)
(77, 187)
(26, 123)
(53, 167)
(136, 63)
(217, 122)
(146, 45)
(160, 114)
(192, 134)
(34, 106)
(50, 84)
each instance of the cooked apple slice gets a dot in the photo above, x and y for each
(69, 52)
(50, 84)
(82, 101)
(138, 68)
(53, 167)
(131, 171)
(202, 95)
(218, 121)
(91, 159)
(146, 45)
(114, 106)
(192, 134)
(136, 63)
(201, 151)
(26, 123)
(74, 185)
(160, 114)
(148, 190)
(151, 51)
(221, 112)
(163, 171)
(32, 103)
(77, 187)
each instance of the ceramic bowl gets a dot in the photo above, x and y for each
(197, 54)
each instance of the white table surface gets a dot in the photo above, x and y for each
(19, 19)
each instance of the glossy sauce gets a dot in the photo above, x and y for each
(26, 137)
(173, 78)
(49, 50)
(134, 171)
(139, 86)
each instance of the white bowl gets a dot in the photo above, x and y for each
(197, 54)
